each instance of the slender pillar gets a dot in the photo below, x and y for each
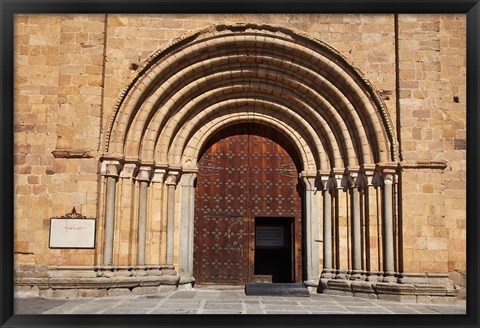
(185, 261)
(340, 183)
(171, 183)
(388, 228)
(356, 233)
(111, 173)
(159, 177)
(327, 233)
(191, 234)
(312, 246)
(367, 177)
(144, 178)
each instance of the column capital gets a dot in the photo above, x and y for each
(388, 174)
(337, 175)
(368, 173)
(159, 175)
(309, 182)
(110, 168)
(188, 179)
(129, 170)
(326, 180)
(144, 173)
(353, 177)
(388, 170)
(172, 178)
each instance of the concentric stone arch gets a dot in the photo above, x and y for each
(345, 122)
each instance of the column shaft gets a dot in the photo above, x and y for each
(142, 222)
(191, 231)
(187, 212)
(109, 220)
(356, 231)
(170, 221)
(311, 245)
(327, 230)
(388, 227)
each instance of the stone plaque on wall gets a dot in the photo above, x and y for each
(72, 231)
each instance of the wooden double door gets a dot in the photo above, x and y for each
(247, 183)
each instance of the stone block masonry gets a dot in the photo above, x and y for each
(93, 281)
(71, 72)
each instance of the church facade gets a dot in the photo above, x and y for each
(328, 150)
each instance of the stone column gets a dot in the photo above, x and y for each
(171, 182)
(340, 180)
(187, 212)
(159, 177)
(311, 234)
(327, 227)
(388, 254)
(143, 177)
(356, 228)
(111, 174)
(367, 177)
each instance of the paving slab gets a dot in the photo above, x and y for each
(35, 305)
(224, 301)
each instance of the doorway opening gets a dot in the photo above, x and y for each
(248, 182)
(274, 255)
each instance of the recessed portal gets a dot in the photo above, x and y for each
(247, 186)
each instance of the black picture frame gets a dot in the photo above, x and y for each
(10, 7)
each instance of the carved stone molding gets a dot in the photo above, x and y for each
(72, 153)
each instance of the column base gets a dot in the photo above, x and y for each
(420, 288)
(328, 273)
(312, 286)
(95, 281)
(341, 274)
(373, 276)
(389, 277)
(357, 275)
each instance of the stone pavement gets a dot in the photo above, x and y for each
(231, 301)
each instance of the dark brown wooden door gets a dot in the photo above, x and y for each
(245, 172)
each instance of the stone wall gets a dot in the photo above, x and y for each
(71, 69)
(58, 97)
(432, 103)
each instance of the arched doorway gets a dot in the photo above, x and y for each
(248, 208)
(226, 75)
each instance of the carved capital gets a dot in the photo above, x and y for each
(367, 172)
(388, 174)
(128, 170)
(110, 168)
(159, 175)
(326, 180)
(188, 179)
(309, 183)
(352, 177)
(388, 170)
(172, 178)
(338, 176)
(144, 173)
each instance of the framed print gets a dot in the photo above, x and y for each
(250, 163)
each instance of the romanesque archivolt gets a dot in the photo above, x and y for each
(230, 74)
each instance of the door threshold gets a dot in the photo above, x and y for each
(219, 287)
